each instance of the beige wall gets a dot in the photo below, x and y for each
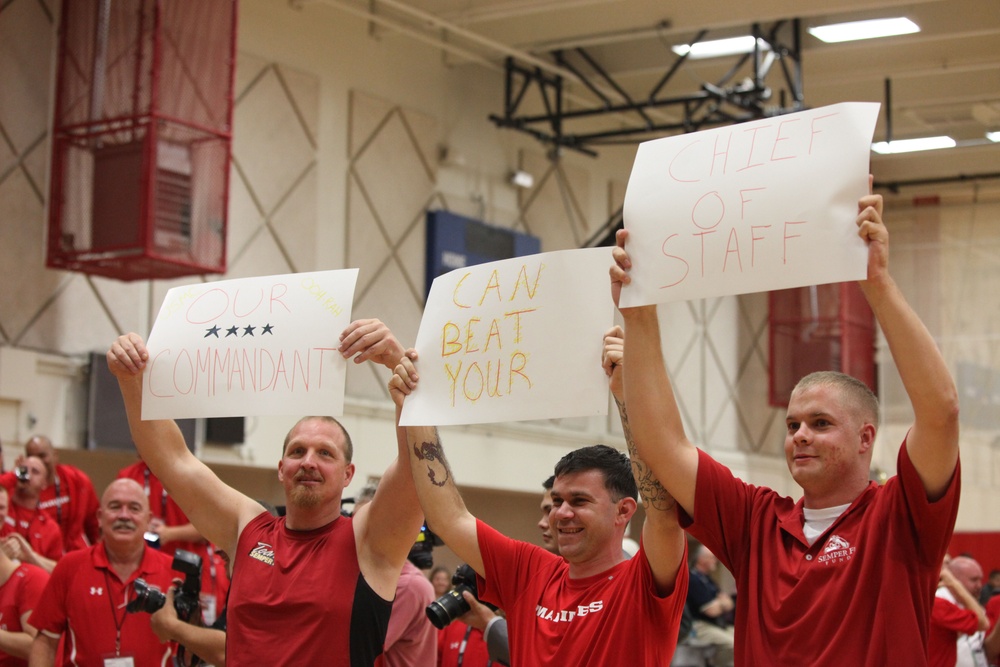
(337, 154)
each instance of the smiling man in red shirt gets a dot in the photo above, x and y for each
(846, 574)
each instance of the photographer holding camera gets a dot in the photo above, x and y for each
(86, 597)
(463, 621)
(205, 642)
(29, 534)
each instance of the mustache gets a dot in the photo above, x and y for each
(305, 475)
(123, 523)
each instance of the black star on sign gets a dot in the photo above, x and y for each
(267, 330)
(231, 331)
(248, 331)
(214, 331)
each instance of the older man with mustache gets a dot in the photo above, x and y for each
(89, 588)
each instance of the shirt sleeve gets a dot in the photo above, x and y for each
(52, 541)
(50, 612)
(722, 508)
(496, 640)
(508, 563)
(35, 580)
(934, 522)
(947, 615)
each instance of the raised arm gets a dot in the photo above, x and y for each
(17, 547)
(218, 511)
(654, 419)
(662, 536)
(932, 443)
(443, 506)
(371, 340)
(387, 527)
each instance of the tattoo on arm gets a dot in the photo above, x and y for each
(652, 493)
(433, 452)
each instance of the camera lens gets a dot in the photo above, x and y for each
(448, 607)
(145, 598)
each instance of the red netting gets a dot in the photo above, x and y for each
(141, 137)
(827, 327)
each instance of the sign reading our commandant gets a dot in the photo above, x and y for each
(253, 346)
(515, 339)
(758, 206)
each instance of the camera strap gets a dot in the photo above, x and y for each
(464, 644)
(58, 504)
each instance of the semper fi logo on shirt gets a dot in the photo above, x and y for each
(836, 550)
(264, 553)
(566, 615)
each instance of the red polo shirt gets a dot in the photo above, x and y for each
(85, 600)
(861, 595)
(18, 596)
(71, 501)
(37, 527)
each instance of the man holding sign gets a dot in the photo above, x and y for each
(587, 605)
(313, 587)
(800, 565)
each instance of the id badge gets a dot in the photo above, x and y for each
(119, 661)
(208, 611)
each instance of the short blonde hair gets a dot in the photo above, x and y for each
(855, 392)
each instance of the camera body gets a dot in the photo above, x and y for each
(187, 595)
(21, 473)
(422, 552)
(451, 605)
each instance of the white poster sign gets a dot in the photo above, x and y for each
(758, 206)
(513, 340)
(253, 346)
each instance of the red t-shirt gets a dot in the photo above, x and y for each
(18, 596)
(37, 527)
(71, 501)
(948, 621)
(457, 639)
(214, 578)
(860, 595)
(85, 601)
(612, 619)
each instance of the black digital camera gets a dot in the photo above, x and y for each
(187, 595)
(21, 472)
(451, 605)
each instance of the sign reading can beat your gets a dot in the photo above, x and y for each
(514, 340)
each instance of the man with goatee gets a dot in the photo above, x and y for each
(313, 587)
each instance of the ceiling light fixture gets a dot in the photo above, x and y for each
(854, 30)
(718, 47)
(521, 179)
(910, 145)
